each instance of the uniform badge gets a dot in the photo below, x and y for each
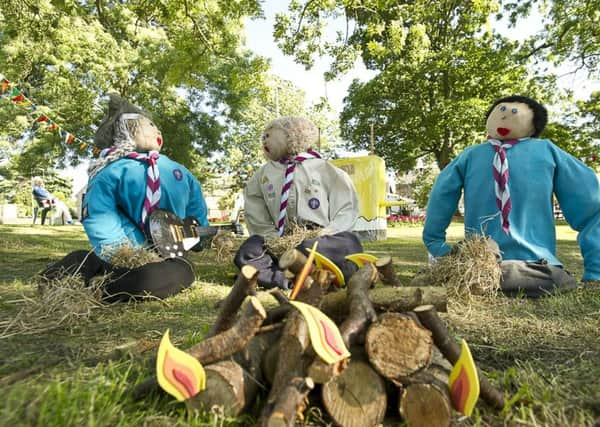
(270, 188)
(314, 203)
(178, 174)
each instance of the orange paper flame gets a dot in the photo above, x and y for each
(463, 382)
(178, 373)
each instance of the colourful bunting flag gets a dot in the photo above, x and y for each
(324, 335)
(463, 382)
(22, 101)
(178, 373)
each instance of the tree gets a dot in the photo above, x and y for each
(440, 68)
(67, 55)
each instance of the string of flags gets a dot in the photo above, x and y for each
(42, 121)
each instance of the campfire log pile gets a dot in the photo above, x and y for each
(262, 361)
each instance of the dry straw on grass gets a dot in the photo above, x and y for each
(225, 245)
(63, 302)
(127, 257)
(471, 269)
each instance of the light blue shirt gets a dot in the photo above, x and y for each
(538, 169)
(112, 206)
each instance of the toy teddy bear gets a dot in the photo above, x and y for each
(297, 185)
(508, 184)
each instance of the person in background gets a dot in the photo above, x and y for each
(126, 183)
(45, 199)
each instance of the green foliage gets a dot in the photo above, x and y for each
(66, 55)
(440, 68)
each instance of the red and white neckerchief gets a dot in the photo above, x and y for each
(500, 169)
(287, 183)
(152, 198)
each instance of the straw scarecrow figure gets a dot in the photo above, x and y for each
(508, 184)
(296, 187)
(127, 182)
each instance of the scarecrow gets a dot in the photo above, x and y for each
(127, 182)
(297, 190)
(508, 184)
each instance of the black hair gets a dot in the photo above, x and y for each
(540, 114)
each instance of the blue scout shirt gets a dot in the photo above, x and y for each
(112, 206)
(537, 168)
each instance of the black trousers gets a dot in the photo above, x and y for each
(335, 247)
(158, 279)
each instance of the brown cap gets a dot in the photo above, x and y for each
(116, 107)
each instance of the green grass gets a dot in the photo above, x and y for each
(544, 353)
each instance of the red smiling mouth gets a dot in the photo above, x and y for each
(159, 141)
(503, 131)
(266, 149)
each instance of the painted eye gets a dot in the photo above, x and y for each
(503, 108)
(514, 111)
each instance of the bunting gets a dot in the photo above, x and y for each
(41, 121)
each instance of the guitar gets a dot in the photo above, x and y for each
(171, 236)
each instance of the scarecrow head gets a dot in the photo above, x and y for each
(516, 117)
(127, 127)
(288, 136)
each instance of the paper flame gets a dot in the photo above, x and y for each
(178, 373)
(463, 382)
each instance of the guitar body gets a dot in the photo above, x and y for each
(172, 237)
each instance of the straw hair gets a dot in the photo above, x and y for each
(301, 133)
(294, 235)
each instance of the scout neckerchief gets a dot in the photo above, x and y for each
(287, 183)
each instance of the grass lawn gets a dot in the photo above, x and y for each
(544, 354)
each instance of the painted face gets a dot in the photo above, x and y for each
(275, 144)
(148, 137)
(510, 120)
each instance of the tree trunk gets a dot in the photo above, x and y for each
(398, 347)
(357, 397)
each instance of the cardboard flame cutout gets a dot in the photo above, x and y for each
(361, 258)
(324, 335)
(325, 263)
(178, 373)
(463, 382)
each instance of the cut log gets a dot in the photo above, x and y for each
(386, 270)
(219, 346)
(451, 350)
(292, 260)
(227, 386)
(245, 285)
(397, 346)
(335, 305)
(234, 384)
(290, 403)
(356, 397)
(361, 311)
(424, 400)
(279, 296)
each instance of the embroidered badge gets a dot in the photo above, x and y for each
(265, 179)
(315, 181)
(314, 203)
(270, 187)
(177, 174)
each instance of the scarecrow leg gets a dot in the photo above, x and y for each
(292, 260)
(451, 350)
(244, 286)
